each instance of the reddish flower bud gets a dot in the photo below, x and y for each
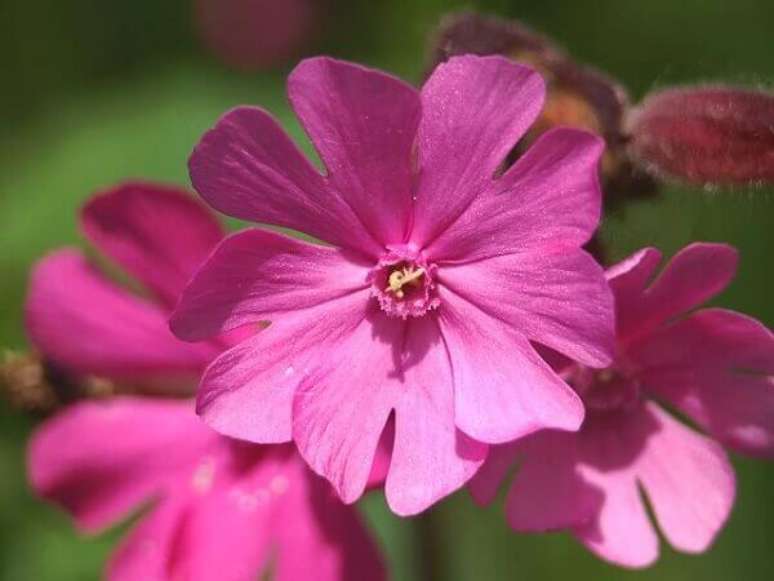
(706, 135)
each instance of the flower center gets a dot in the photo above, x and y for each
(403, 284)
(604, 390)
(406, 275)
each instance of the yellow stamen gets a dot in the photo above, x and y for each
(399, 278)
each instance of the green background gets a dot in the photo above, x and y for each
(95, 92)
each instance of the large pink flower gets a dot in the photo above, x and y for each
(438, 273)
(222, 509)
(714, 366)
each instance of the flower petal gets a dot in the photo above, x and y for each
(99, 460)
(502, 389)
(689, 482)
(248, 168)
(717, 367)
(548, 492)
(549, 198)
(557, 298)
(363, 123)
(81, 321)
(159, 234)
(321, 538)
(144, 553)
(694, 275)
(257, 275)
(247, 393)
(622, 533)
(610, 447)
(499, 463)
(474, 111)
(430, 457)
(628, 280)
(343, 403)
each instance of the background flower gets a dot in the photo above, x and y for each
(713, 365)
(220, 508)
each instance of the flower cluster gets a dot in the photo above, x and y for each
(431, 320)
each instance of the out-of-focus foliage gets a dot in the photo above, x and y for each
(96, 92)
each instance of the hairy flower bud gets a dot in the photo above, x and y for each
(706, 135)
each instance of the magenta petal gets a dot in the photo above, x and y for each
(247, 167)
(81, 321)
(474, 111)
(694, 275)
(550, 198)
(322, 538)
(717, 367)
(548, 492)
(257, 275)
(159, 234)
(342, 405)
(247, 392)
(99, 460)
(628, 280)
(559, 299)
(363, 123)
(144, 553)
(499, 463)
(502, 389)
(430, 457)
(689, 482)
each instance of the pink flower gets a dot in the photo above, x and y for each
(221, 509)
(437, 275)
(714, 366)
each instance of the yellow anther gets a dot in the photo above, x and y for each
(399, 278)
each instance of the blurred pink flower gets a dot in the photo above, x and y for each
(256, 34)
(437, 276)
(222, 509)
(714, 366)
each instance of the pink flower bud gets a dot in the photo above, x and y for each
(706, 135)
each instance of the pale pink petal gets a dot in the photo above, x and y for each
(557, 298)
(144, 553)
(474, 111)
(610, 447)
(321, 538)
(430, 458)
(342, 405)
(694, 275)
(689, 482)
(548, 492)
(83, 322)
(363, 123)
(717, 367)
(622, 532)
(99, 460)
(257, 275)
(248, 168)
(159, 234)
(550, 198)
(503, 390)
(247, 393)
